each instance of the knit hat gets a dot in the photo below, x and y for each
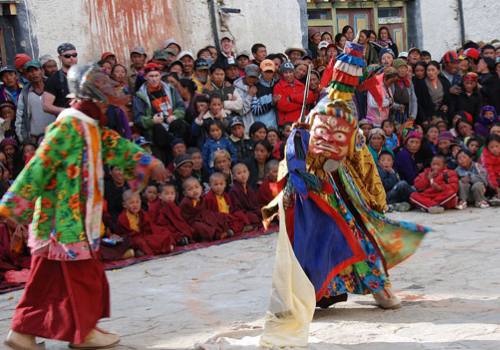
(177, 141)
(399, 62)
(412, 134)
(287, 66)
(446, 136)
(384, 51)
(181, 160)
(450, 57)
(45, 59)
(20, 60)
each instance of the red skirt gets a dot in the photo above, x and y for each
(63, 300)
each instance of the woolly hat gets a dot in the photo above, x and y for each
(20, 60)
(446, 136)
(384, 51)
(412, 134)
(399, 62)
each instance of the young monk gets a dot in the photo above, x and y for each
(166, 214)
(269, 188)
(207, 225)
(243, 196)
(136, 223)
(218, 201)
(437, 187)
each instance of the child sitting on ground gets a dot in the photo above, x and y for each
(222, 164)
(490, 160)
(136, 223)
(150, 196)
(215, 142)
(472, 181)
(397, 191)
(269, 187)
(218, 201)
(243, 196)
(474, 145)
(166, 214)
(207, 225)
(437, 187)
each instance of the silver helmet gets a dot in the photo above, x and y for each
(89, 82)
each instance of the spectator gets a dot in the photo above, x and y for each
(376, 114)
(295, 53)
(425, 56)
(200, 76)
(405, 106)
(490, 82)
(49, 65)
(19, 61)
(232, 101)
(289, 94)
(114, 188)
(488, 51)
(7, 120)
(243, 60)
(258, 132)
(226, 55)
(469, 99)
(243, 197)
(11, 87)
(216, 141)
(386, 57)
(187, 59)
(487, 118)
(259, 53)
(173, 45)
(472, 182)
(348, 32)
(340, 40)
(31, 119)
(397, 191)
(232, 73)
(376, 143)
(257, 163)
(56, 87)
(247, 89)
(391, 138)
(385, 41)
(138, 58)
(490, 160)
(263, 103)
(370, 54)
(242, 146)
(405, 163)
(414, 56)
(437, 188)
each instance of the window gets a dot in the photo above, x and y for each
(389, 12)
(319, 14)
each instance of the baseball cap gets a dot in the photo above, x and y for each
(32, 64)
(286, 66)
(403, 54)
(107, 54)
(414, 49)
(227, 37)
(141, 141)
(243, 53)
(236, 121)
(201, 63)
(45, 59)
(450, 57)
(267, 65)
(65, 47)
(183, 54)
(182, 159)
(6, 69)
(323, 45)
(139, 49)
(172, 41)
(252, 70)
(160, 55)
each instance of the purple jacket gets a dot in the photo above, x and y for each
(406, 166)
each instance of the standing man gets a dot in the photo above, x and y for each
(49, 65)
(187, 59)
(247, 90)
(31, 120)
(56, 87)
(259, 53)
(263, 102)
(138, 60)
(67, 292)
(226, 55)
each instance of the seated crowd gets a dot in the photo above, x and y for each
(219, 120)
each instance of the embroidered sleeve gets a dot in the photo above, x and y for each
(39, 173)
(135, 163)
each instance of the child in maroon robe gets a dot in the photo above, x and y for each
(243, 197)
(136, 222)
(218, 201)
(437, 187)
(207, 225)
(150, 197)
(269, 187)
(165, 213)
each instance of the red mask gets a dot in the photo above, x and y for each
(330, 137)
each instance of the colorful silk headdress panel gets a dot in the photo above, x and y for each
(347, 72)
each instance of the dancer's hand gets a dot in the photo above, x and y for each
(159, 173)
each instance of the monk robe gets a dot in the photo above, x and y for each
(245, 199)
(143, 236)
(268, 190)
(207, 225)
(236, 219)
(168, 215)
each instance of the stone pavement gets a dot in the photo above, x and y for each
(450, 291)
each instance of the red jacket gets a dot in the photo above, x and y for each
(446, 179)
(492, 166)
(290, 103)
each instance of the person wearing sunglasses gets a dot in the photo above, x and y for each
(56, 88)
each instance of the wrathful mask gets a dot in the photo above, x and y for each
(332, 131)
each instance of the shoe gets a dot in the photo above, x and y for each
(435, 210)
(461, 205)
(230, 233)
(386, 299)
(183, 241)
(495, 202)
(97, 339)
(129, 253)
(390, 208)
(19, 341)
(482, 205)
(401, 206)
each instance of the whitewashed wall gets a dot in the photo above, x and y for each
(272, 22)
(441, 26)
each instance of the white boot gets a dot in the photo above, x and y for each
(386, 299)
(98, 339)
(19, 341)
